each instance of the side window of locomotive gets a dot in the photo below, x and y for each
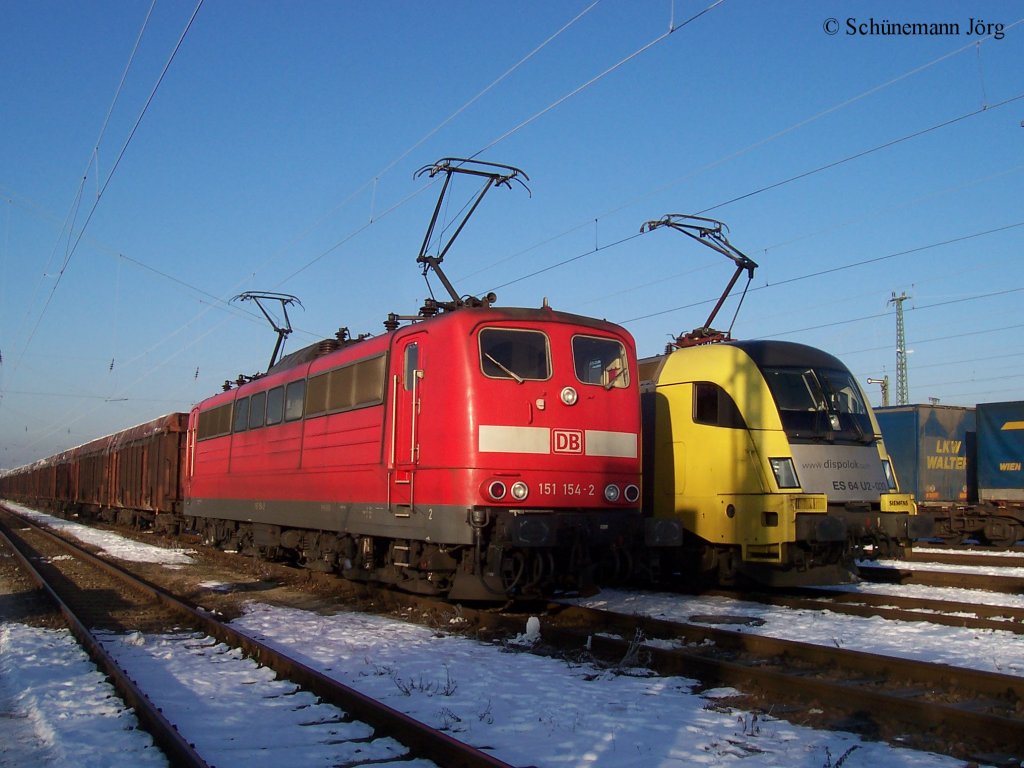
(351, 386)
(241, 419)
(275, 405)
(600, 361)
(214, 422)
(513, 354)
(316, 395)
(257, 409)
(371, 375)
(294, 397)
(713, 406)
(410, 365)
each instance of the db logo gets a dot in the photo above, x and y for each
(567, 440)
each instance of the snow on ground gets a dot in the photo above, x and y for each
(988, 570)
(925, 592)
(994, 553)
(219, 699)
(110, 543)
(527, 710)
(991, 650)
(57, 708)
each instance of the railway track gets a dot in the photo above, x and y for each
(1007, 584)
(971, 558)
(928, 706)
(100, 600)
(969, 714)
(966, 713)
(947, 613)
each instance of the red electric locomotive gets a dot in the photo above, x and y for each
(482, 453)
(477, 453)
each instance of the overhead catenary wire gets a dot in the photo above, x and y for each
(843, 267)
(99, 194)
(558, 102)
(546, 269)
(758, 144)
(597, 78)
(769, 187)
(918, 307)
(69, 220)
(224, 304)
(372, 182)
(865, 153)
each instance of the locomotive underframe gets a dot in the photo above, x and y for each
(782, 546)
(877, 533)
(815, 550)
(485, 553)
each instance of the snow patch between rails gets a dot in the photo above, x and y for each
(57, 709)
(111, 543)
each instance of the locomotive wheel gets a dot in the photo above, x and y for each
(512, 569)
(543, 568)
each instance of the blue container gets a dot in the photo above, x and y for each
(1001, 451)
(931, 447)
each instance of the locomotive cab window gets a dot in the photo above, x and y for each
(600, 361)
(714, 406)
(506, 353)
(820, 403)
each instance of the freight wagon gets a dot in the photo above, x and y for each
(129, 477)
(964, 466)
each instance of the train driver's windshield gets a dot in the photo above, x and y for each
(819, 403)
(507, 353)
(600, 361)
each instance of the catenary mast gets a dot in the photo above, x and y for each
(902, 388)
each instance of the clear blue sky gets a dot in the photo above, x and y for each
(278, 154)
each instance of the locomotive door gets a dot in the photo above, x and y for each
(405, 426)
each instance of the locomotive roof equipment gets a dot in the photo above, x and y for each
(285, 328)
(495, 174)
(709, 232)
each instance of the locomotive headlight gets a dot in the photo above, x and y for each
(890, 476)
(496, 490)
(569, 396)
(631, 493)
(520, 490)
(611, 492)
(785, 472)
